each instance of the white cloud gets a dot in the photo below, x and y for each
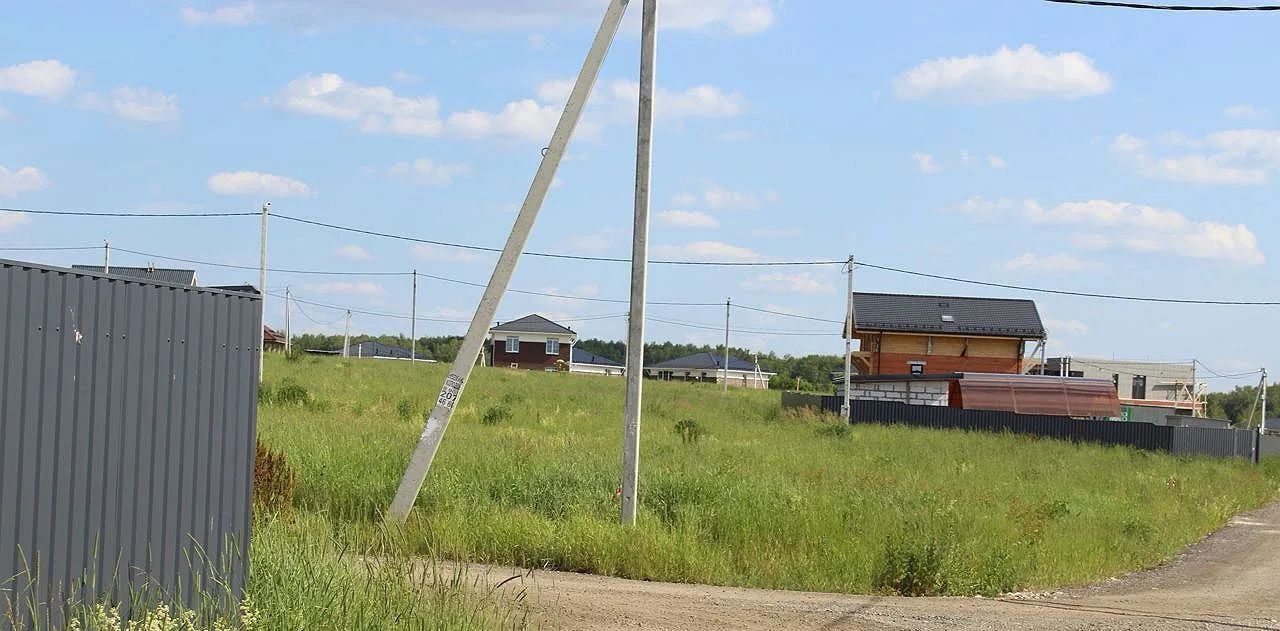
(1110, 225)
(227, 15)
(1230, 157)
(1029, 262)
(1066, 327)
(359, 288)
(48, 78)
(702, 101)
(373, 108)
(401, 76)
(800, 283)
(425, 172)
(23, 180)
(687, 219)
(353, 252)
(139, 104)
(10, 221)
(254, 183)
(996, 162)
(926, 163)
(735, 17)
(737, 135)
(1242, 111)
(716, 197)
(525, 119)
(429, 252)
(555, 90)
(706, 251)
(1005, 76)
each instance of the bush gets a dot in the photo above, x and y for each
(911, 565)
(496, 414)
(274, 480)
(835, 430)
(689, 430)
(404, 409)
(291, 392)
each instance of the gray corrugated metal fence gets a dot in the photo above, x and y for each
(127, 420)
(1178, 440)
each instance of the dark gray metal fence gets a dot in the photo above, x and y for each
(127, 420)
(1178, 440)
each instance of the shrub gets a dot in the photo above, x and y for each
(689, 430)
(291, 392)
(273, 480)
(911, 565)
(404, 409)
(294, 355)
(496, 414)
(835, 430)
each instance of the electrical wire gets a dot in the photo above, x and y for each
(1168, 7)
(710, 327)
(313, 320)
(1230, 376)
(551, 255)
(51, 249)
(785, 314)
(1084, 294)
(84, 213)
(382, 314)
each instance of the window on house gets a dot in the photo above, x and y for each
(553, 346)
(513, 344)
(1139, 387)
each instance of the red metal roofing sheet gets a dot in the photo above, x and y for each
(1037, 394)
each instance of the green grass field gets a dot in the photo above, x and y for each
(527, 474)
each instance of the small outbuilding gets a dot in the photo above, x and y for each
(588, 363)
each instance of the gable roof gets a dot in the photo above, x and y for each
(271, 335)
(704, 361)
(532, 323)
(166, 275)
(587, 357)
(905, 313)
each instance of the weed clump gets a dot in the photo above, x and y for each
(274, 480)
(496, 414)
(835, 430)
(404, 409)
(689, 430)
(911, 565)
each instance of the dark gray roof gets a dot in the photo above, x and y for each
(177, 276)
(704, 361)
(372, 348)
(531, 324)
(587, 357)
(904, 313)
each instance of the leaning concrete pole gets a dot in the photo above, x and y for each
(639, 267)
(438, 422)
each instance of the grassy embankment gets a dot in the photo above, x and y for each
(527, 474)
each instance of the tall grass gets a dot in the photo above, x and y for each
(761, 498)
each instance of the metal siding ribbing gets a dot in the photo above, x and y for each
(1222, 443)
(127, 412)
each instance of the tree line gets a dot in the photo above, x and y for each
(809, 372)
(1240, 402)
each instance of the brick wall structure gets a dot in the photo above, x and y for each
(532, 355)
(914, 392)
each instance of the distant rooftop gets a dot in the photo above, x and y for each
(533, 323)
(587, 357)
(704, 361)
(161, 274)
(958, 315)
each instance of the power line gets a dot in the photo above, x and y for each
(255, 267)
(789, 315)
(1168, 7)
(1230, 376)
(1084, 294)
(551, 255)
(710, 327)
(84, 213)
(52, 249)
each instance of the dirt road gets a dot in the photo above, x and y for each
(1231, 580)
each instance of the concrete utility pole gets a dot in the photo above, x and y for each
(262, 287)
(639, 266)
(413, 323)
(288, 328)
(728, 304)
(1262, 427)
(420, 462)
(346, 337)
(848, 343)
(106, 257)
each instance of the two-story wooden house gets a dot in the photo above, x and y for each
(902, 334)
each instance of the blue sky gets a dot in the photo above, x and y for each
(1012, 141)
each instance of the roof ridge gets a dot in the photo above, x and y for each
(882, 293)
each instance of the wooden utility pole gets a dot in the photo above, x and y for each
(639, 266)
(848, 344)
(420, 462)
